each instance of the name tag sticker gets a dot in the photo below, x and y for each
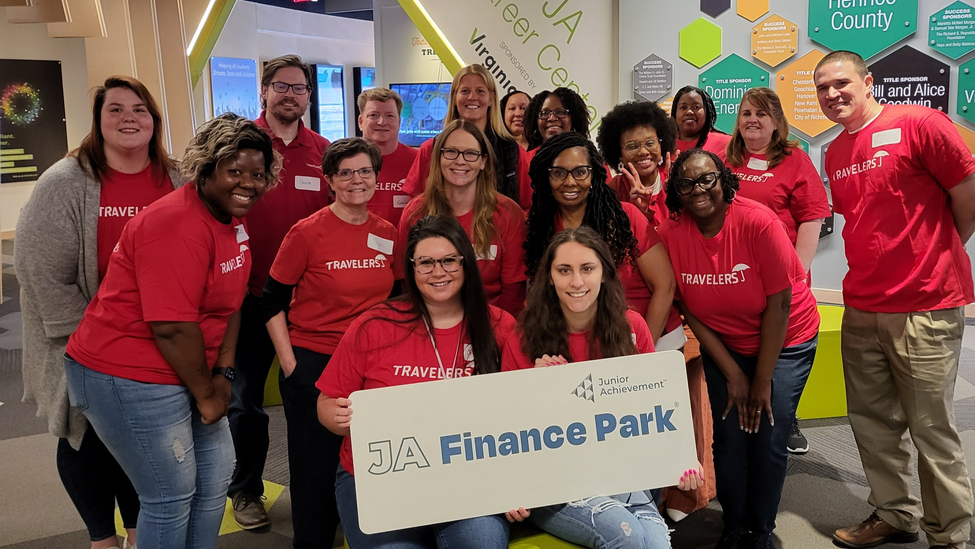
(887, 137)
(306, 183)
(380, 244)
(492, 254)
(758, 163)
(401, 200)
(241, 234)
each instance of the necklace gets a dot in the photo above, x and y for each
(436, 352)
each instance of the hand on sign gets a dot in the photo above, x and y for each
(639, 195)
(517, 515)
(692, 479)
(547, 360)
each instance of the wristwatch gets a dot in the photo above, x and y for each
(228, 373)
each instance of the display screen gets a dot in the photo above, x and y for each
(424, 109)
(233, 87)
(331, 102)
(367, 79)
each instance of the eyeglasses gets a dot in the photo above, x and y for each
(559, 113)
(470, 156)
(345, 175)
(579, 173)
(706, 182)
(634, 146)
(283, 87)
(425, 265)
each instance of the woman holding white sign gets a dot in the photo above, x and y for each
(442, 328)
(577, 311)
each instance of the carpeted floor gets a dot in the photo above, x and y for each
(825, 489)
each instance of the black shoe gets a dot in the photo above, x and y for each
(731, 539)
(797, 442)
(760, 541)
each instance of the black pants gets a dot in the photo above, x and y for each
(248, 420)
(313, 454)
(94, 481)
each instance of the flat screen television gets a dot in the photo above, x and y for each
(363, 78)
(425, 106)
(328, 102)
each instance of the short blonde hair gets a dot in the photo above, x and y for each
(382, 95)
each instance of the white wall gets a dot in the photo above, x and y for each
(30, 41)
(401, 53)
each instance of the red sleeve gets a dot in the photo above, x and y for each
(524, 181)
(646, 236)
(952, 162)
(171, 274)
(778, 264)
(406, 221)
(808, 200)
(416, 180)
(291, 262)
(346, 369)
(644, 341)
(512, 358)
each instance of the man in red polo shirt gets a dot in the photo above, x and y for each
(904, 180)
(379, 120)
(285, 91)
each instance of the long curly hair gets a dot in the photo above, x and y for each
(542, 323)
(221, 138)
(710, 113)
(634, 114)
(780, 146)
(578, 114)
(729, 181)
(604, 212)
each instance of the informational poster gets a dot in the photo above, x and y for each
(726, 82)
(909, 77)
(234, 87)
(774, 40)
(797, 91)
(653, 78)
(330, 96)
(951, 31)
(33, 135)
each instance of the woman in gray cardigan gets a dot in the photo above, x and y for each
(65, 235)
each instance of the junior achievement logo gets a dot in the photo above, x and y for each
(609, 386)
(584, 390)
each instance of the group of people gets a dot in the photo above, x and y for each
(156, 295)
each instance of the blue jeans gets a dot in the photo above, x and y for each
(180, 467)
(750, 469)
(602, 522)
(489, 532)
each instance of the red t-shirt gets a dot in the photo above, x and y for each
(380, 349)
(416, 180)
(390, 198)
(122, 196)
(638, 294)
(173, 263)
(506, 261)
(793, 189)
(724, 280)
(301, 192)
(657, 213)
(339, 271)
(716, 143)
(513, 358)
(890, 181)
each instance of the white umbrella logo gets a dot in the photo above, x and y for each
(741, 268)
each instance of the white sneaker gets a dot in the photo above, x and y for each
(676, 515)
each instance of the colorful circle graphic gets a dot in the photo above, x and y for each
(20, 104)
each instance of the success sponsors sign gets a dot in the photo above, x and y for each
(482, 445)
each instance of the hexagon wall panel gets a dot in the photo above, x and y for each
(653, 78)
(965, 101)
(794, 84)
(803, 144)
(726, 82)
(911, 77)
(968, 135)
(715, 8)
(700, 42)
(774, 40)
(866, 29)
(951, 31)
(752, 9)
(822, 163)
(666, 104)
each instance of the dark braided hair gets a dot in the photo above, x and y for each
(578, 114)
(604, 212)
(728, 180)
(710, 113)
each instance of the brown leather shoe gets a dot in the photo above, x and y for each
(870, 533)
(249, 511)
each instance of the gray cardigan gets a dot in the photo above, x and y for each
(56, 258)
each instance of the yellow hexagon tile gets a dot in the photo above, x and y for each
(752, 9)
(774, 40)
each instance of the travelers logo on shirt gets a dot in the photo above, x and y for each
(378, 263)
(119, 211)
(755, 178)
(584, 390)
(390, 186)
(736, 276)
(235, 263)
(865, 166)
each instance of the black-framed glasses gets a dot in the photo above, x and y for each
(449, 263)
(705, 181)
(634, 146)
(559, 113)
(578, 173)
(345, 175)
(470, 156)
(283, 87)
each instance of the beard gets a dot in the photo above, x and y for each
(285, 114)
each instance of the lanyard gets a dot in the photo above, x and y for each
(436, 352)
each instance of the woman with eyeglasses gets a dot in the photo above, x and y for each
(443, 326)
(332, 266)
(513, 106)
(693, 111)
(553, 112)
(474, 98)
(461, 186)
(569, 179)
(741, 288)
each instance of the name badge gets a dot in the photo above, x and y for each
(401, 200)
(887, 137)
(306, 183)
(758, 163)
(468, 352)
(380, 244)
(241, 234)
(492, 254)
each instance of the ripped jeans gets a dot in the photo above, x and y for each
(179, 467)
(602, 522)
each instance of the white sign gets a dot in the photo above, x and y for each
(482, 445)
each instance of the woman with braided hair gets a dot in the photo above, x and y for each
(694, 112)
(569, 191)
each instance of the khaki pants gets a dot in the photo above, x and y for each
(900, 371)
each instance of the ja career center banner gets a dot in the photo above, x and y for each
(482, 445)
(535, 45)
